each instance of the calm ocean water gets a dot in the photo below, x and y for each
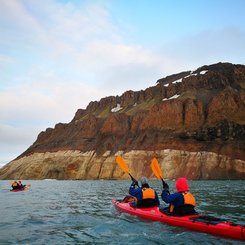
(80, 212)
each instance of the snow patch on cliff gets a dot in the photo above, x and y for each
(181, 79)
(173, 97)
(117, 108)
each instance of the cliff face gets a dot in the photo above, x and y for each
(193, 122)
(89, 165)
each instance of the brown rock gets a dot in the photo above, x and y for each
(199, 134)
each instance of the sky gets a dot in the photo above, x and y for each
(58, 55)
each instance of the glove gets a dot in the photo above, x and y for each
(135, 182)
(164, 192)
(165, 186)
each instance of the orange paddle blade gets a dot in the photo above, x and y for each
(122, 164)
(156, 168)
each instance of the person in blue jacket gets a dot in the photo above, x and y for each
(145, 196)
(182, 202)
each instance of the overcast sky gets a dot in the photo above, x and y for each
(58, 55)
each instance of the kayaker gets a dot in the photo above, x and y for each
(21, 185)
(15, 185)
(145, 196)
(181, 202)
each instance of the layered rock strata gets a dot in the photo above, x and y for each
(196, 119)
(76, 165)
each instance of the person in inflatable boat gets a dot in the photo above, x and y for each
(182, 202)
(145, 196)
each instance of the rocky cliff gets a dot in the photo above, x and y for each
(193, 122)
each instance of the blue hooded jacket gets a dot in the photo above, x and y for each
(137, 192)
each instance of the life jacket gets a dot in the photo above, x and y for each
(189, 199)
(15, 184)
(148, 193)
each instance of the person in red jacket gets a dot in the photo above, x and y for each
(182, 202)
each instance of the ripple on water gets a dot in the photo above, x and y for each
(80, 212)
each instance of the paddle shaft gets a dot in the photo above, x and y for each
(163, 182)
(133, 179)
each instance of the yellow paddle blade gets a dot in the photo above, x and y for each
(156, 168)
(122, 164)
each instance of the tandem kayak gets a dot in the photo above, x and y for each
(197, 222)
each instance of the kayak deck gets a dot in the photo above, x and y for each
(197, 222)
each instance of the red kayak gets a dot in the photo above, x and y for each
(197, 222)
(20, 189)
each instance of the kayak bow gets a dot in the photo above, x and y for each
(197, 222)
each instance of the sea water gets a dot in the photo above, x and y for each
(81, 212)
